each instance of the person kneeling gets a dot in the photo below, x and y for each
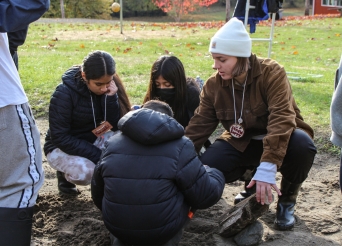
(149, 179)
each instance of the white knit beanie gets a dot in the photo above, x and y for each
(232, 39)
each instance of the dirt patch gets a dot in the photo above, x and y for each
(62, 220)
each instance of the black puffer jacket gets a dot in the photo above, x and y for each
(193, 100)
(71, 118)
(148, 177)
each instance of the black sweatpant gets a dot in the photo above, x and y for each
(15, 226)
(296, 165)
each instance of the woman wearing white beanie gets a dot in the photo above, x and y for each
(252, 98)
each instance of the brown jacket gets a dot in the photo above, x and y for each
(269, 109)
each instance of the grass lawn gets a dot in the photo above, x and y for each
(309, 49)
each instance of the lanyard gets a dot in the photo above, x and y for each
(243, 99)
(92, 106)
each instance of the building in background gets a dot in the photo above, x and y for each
(323, 7)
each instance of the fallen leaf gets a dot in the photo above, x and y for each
(127, 50)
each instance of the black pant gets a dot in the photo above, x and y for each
(296, 165)
(15, 226)
(15, 59)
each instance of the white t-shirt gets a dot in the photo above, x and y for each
(11, 89)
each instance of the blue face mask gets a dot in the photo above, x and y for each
(166, 95)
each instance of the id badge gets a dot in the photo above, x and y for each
(236, 131)
(104, 127)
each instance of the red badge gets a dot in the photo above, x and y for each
(104, 127)
(236, 131)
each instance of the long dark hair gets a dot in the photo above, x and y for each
(172, 70)
(99, 63)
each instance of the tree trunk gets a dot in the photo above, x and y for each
(227, 10)
(292, 4)
(62, 9)
(307, 7)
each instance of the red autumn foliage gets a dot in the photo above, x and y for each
(284, 20)
(293, 20)
(178, 8)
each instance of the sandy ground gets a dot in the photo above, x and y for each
(61, 220)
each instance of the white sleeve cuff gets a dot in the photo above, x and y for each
(266, 172)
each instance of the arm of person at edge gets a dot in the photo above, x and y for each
(17, 38)
(16, 14)
(336, 112)
(110, 105)
(204, 121)
(281, 116)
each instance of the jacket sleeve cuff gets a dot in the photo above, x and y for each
(266, 172)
